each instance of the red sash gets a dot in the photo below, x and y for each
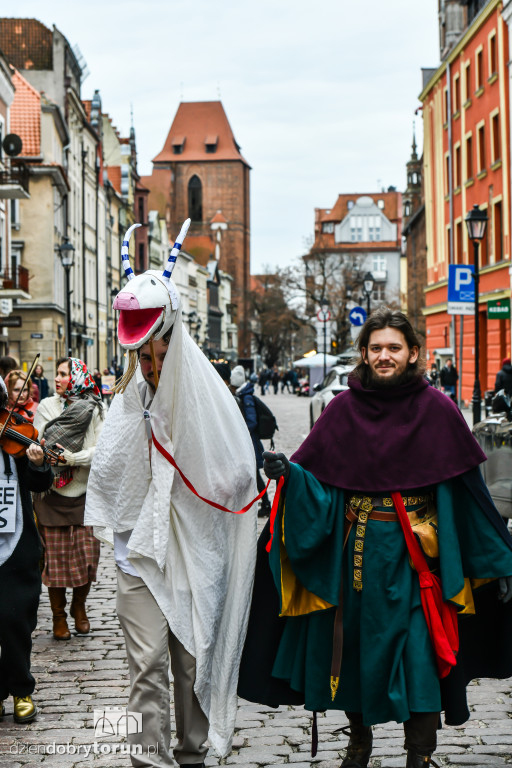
(189, 485)
(441, 617)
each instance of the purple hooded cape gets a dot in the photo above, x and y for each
(395, 439)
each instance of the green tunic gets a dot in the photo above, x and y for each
(388, 668)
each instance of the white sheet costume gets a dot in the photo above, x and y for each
(197, 562)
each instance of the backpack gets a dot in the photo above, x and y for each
(267, 423)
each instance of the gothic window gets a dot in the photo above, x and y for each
(195, 199)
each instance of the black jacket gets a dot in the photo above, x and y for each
(504, 379)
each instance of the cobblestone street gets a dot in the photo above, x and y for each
(74, 678)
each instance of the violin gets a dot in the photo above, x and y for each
(19, 434)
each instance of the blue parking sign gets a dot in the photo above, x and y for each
(461, 289)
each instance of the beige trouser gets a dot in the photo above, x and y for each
(148, 643)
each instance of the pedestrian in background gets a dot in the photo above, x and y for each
(434, 376)
(20, 577)
(72, 418)
(504, 377)
(41, 382)
(275, 378)
(7, 364)
(244, 391)
(449, 378)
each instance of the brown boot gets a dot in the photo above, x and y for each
(77, 609)
(57, 597)
(359, 747)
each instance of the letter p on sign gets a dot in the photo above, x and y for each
(463, 277)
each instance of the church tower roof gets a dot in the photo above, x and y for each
(201, 132)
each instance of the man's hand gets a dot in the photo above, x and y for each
(505, 588)
(275, 465)
(35, 454)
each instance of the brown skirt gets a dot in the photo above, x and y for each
(71, 555)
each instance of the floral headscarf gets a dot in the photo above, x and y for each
(80, 381)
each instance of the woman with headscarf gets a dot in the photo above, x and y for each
(72, 419)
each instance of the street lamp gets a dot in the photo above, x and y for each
(368, 283)
(67, 256)
(476, 221)
(325, 316)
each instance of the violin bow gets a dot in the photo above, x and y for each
(8, 419)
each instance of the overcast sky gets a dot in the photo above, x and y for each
(320, 95)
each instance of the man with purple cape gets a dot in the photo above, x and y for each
(389, 461)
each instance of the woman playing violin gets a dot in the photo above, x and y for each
(16, 382)
(20, 575)
(71, 418)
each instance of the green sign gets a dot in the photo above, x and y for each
(498, 309)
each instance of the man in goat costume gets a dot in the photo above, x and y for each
(185, 568)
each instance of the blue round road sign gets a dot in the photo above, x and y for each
(357, 315)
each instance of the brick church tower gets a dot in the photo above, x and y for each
(201, 174)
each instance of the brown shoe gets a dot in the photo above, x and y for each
(77, 609)
(57, 597)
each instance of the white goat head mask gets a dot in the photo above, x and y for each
(148, 303)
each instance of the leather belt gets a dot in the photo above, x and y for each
(375, 514)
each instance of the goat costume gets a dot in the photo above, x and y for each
(197, 561)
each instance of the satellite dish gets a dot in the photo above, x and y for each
(12, 144)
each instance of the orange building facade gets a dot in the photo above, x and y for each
(466, 162)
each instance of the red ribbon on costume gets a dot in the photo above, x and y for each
(441, 617)
(189, 485)
(273, 511)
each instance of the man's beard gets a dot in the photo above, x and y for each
(385, 382)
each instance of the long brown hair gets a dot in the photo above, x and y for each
(381, 318)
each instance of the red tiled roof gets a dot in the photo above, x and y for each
(114, 176)
(200, 247)
(26, 116)
(391, 208)
(196, 122)
(219, 218)
(27, 43)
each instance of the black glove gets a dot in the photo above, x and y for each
(275, 465)
(505, 588)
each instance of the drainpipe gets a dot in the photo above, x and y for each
(97, 263)
(84, 265)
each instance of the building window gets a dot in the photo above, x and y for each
(493, 61)
(481, 148)
(458, 242)
(447, 178)
(456, 94)
(177, 149)
(380, 203)
(210, 148)
(483, 251)
(195, 199)
(328, 227)
(379, 263)
(407, 209)
(457, 168)
(495, 135)
(498, 232)
(350, 205)
(141, 257)
(469, 157)
(479, 82)
(467, 82)
(356, 229)
(445, 105)
(379, 292)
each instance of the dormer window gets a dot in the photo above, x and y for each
(380, 203)
(350, 204)
(210, 144)
(178, 144)
(328, 227)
